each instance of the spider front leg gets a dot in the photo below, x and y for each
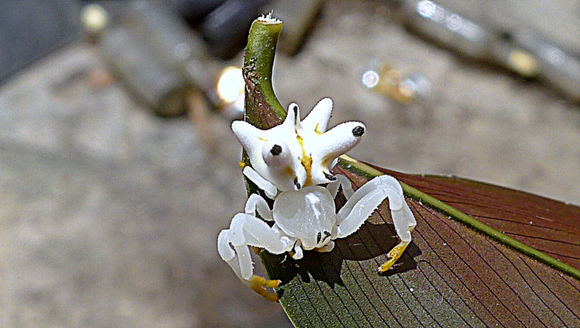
(269, 189)
(233, 246)
(257, 203)
(340, 181)
(365, 200)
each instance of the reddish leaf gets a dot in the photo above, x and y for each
(550, 226)
(450, 276)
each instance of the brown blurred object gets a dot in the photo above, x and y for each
(299, 16)
(155, 54)
(517, 48)
(199, 113)
(402, 87)
(100, 78)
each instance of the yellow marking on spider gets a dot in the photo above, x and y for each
(262, 139)
(316, 130)
(259, 285)
(288, 170)
(306, 161)
(242, 165)
(325, 162)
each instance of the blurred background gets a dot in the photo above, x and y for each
(118, 168)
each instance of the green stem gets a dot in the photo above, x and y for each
(264, 111)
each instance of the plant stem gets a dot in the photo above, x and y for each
(263, 109)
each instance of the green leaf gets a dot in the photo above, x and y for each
(481, 255)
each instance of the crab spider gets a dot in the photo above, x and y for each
(292, 164)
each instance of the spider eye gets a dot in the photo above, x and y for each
(276, 150)
(276, 154)
(358, 131)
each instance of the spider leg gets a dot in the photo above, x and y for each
(297, 253)
(246, 230)
(341, 181)
(365, 200)
(269, 189)
(258, 204)
(326, 248)
(404, 225)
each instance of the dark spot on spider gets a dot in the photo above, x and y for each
(276, 150)
(329, 176)
(295, 109)
(358, 131)
(296, 183)
(318, 237)
(326, 234)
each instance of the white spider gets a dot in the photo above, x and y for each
(291, 163)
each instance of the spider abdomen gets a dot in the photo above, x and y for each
(307, 214)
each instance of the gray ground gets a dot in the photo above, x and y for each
(109, 215)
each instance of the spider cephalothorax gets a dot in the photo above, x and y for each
(290, 163)
(296, 153)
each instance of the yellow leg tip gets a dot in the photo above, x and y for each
(387, 265)
(259, 285)
(272, 283)
(393, 255)
(397, 251)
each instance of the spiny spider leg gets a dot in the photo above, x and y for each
(346, 185)
(233, 257)
(341, 181)
(404, 225)
(246, 230)
(365, 200)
